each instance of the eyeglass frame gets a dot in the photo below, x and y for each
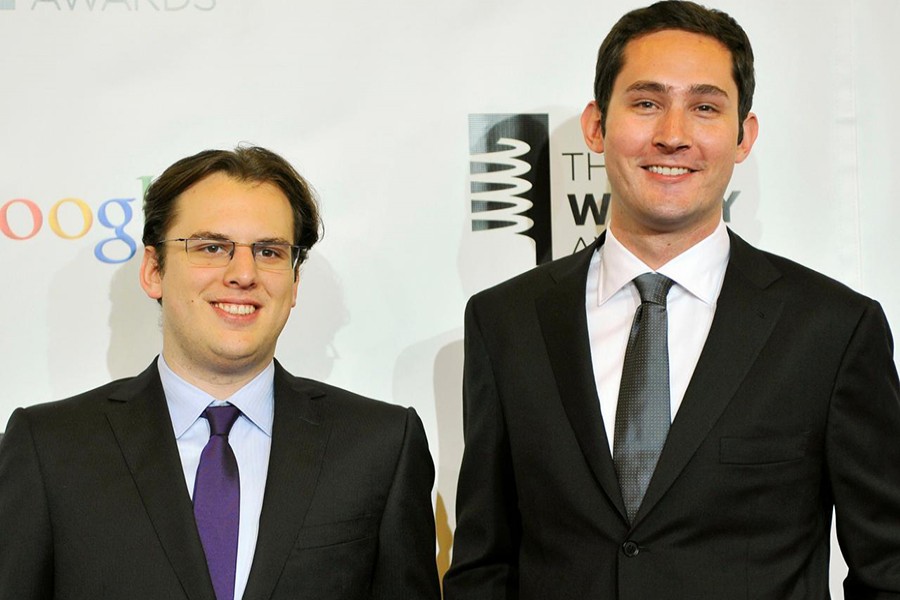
(297, 252)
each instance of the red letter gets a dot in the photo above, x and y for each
(36, 218)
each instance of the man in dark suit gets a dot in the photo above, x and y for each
(780, 395)
(129, 491)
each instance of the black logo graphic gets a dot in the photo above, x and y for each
(509, 166)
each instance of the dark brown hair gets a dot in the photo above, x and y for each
(244, 163)
(685, 16)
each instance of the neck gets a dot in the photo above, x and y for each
(220, 383)
(656, 248)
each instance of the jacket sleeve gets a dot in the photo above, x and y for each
(26, 552)
(863, 460)
(486, 544)
(406, 566)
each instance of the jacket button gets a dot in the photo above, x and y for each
(631, 549)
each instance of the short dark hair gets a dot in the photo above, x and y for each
(244, 163)
(685, 16)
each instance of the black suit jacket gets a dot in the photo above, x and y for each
(93, 502)
(793, 408)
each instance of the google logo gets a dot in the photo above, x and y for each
(71, 219)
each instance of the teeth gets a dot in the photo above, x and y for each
(236, 309)
(669, 171)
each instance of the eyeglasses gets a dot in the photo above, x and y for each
(269, 256)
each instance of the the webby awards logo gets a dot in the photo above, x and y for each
(24, 220)
(509, 177)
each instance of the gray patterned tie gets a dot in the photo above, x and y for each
(643, 412)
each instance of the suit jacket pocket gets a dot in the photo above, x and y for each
(339, 532)
(762, 450)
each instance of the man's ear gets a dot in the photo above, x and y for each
(590, 127)
(296, 287)
(751, 131)
(151, 276)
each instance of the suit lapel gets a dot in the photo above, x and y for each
(563, 319)
(140, 422)
(745, 317)
(299, 437)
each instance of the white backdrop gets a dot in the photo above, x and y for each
(370, 100)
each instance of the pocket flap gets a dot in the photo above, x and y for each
(762, 450)
(340, 532)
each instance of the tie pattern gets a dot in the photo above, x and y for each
(217, 499)
(643, 412)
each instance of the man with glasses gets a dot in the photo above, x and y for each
(215, 473)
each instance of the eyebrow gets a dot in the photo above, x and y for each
(698, 89)
(213, 235)
(208, 235)
(707, 89)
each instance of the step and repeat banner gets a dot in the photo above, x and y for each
(421, 125)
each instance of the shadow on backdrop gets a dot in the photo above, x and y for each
(306, 345)
(100, 324)
(135, 332)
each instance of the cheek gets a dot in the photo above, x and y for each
(630, 135)
(717, 145)
(283, 292)
(619, 172)
(184, 291)
(618, 147)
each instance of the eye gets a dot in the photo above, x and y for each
(210, 247)
(707, 108)
(272, 252)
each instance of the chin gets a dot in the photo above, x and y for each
(231, 357)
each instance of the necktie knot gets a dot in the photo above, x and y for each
(221, 418)
(653, 287)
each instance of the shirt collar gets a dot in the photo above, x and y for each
(698, 269)
(256, 400)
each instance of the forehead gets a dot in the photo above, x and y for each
(247, 210)
(677, 58)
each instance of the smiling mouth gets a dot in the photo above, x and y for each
(668, 171)
(236, 309)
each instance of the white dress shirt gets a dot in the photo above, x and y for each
(612, 299)
(250, 439)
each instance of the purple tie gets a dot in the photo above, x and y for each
(217, 500)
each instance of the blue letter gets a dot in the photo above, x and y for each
(119, 229)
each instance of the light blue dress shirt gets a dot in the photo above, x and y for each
(250, 439)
